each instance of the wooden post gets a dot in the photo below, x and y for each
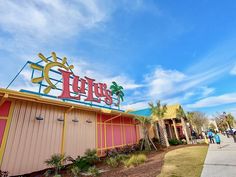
(176, 132)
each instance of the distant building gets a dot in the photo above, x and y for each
(175, 127)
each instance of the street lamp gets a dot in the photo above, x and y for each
(225, 117)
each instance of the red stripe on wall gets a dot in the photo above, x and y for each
(3, 123)
(5, 108)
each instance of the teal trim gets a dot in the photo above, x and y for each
(143, 112)
(70, 100)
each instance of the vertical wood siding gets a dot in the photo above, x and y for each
(80, 135)
(30, 142)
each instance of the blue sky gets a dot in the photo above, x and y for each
(177, 51)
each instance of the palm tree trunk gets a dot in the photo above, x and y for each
(118, 101)
(175, 129)
(163, 133)
(185, 130)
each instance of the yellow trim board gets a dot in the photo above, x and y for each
(6, 131)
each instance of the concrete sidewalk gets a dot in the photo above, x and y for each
(221, 162)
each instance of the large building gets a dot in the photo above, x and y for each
(66, 114)
(33, 128)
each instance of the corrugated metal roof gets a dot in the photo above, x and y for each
(170, 112)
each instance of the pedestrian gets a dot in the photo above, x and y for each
(194, 137)
(210, 135)
(217, 139)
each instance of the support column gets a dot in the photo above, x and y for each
(184, 129)
(175, 129)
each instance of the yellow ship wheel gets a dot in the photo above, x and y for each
(46, 70)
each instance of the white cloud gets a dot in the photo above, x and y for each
(165, 83)
(214, 101)
(207, 91)
(162, 82)
(32, 25)
(233, 70)
(49, 18)
(101, 73)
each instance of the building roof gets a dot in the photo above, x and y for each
(170, 112)
(16, 95)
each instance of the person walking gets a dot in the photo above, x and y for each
(194, 137)
(210, 135)
(217, 139)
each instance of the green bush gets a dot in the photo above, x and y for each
(112, 162)
(175, 142)
(57, 162)
(91, 156)
(75, 171)
(83, 163)
(93, 171)
(122, 150)
(116, 161)
(135, 160)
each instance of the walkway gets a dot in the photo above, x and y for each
(221, 162)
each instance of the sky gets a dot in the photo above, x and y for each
(174, 51)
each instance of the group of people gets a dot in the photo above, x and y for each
(213, 137)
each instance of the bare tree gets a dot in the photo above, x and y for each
(199, 120)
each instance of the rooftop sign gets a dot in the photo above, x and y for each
(56, 78)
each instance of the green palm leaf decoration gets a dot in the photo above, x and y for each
(157, 113)
(118, 91)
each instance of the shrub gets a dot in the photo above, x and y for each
(135, 160)
(75, 171)
(80, 162)
(91, 156)
(83, 163)
(116, 161)
(123, 150)
(93, 171)
(112, 152)
(175, 142)
(112, 162)
(57, 162)
(121, 157)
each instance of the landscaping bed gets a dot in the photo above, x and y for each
(151, 168)
(150, 165)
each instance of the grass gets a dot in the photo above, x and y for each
(184, 162)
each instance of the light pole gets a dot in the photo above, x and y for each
(225, 117)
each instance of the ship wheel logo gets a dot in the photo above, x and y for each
(46, 69)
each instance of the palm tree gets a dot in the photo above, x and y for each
(158, 113)
(57, 162)
(146, 125)
(118, 91)
(181, 115)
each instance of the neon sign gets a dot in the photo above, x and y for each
(73, 87)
